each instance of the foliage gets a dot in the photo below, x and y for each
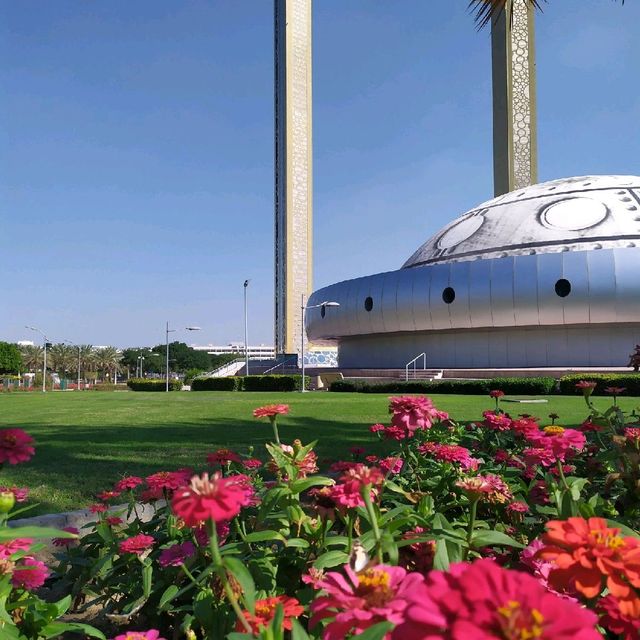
(231, 383)
(183, 357)
(10, 358)
(630, 382)
(152, 362)
(528, 386)
(273, 383)
(153, 384)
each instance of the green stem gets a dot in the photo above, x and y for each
(274, 424)
(472, 523)
(349, 533)
(366, 494)
(562, 477)
(222, 574)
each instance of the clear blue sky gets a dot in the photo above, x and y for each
(136, 148)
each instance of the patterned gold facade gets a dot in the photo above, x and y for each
(293, 169)
(514, 99)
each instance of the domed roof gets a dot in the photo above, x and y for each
(572, 214)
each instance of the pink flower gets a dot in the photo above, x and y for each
(586, 387)
(395, 433)
(108, 495)
(615, 391)
(392, 465)
(497, 422)
(152, 634)
(202, 537)
(496, 393)
(342, 465)
(222, 457)
(518, 507)
(483, 601)
(10, 547)
(98, 508)
(168, 480)
(371, 459)
(376, 428)
(489, 487)
(348, 492)
(128, 484)
(451, 453)
(625, 626)
(15, 446)
(19, 493)
(136, 544)
(113, 521)
(29, 573)
(271, 411)
(632, 434)
(362, 600)
(66, 542)
(210, 498)
(411, 413)
(176, 554)
(558, 441)
(251, 464)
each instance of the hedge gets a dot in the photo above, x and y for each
(250, 383)
(153, 384)
(216, 384)
(525, 386)
(630, 381)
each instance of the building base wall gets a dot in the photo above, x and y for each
(541, 346)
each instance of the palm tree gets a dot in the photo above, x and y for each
(485, 10)
(32, 356)
(108, 361)
(63, 358)
(87, 359)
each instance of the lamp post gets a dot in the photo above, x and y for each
(246, 330)
(44, 368)
(303, 309)
(168, 331)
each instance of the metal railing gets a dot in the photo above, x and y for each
(283, 364)
(413, 363)
(224, 369)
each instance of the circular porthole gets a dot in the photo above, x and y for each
(368, 303)
(448, 295)
(323, 311)
(563, 288)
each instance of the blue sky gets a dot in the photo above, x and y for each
(136, 148)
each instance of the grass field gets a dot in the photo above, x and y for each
(87, 441)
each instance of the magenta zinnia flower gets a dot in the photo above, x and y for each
(29, 573)
(483, 601)
(361, 600)
(128, 483)
(10, 547)
(391, 465)
(15, 446)
(410, 413)
(348, 492)
(498, 422)
(271, 411)
(451, 453)
(176, 554)
(19, 493)
(223, 456)
(151, 634)
(557, 440)
(136, 544)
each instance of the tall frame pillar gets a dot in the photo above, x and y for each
(515, 148)
(293, 169)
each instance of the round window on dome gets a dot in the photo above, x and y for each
(449, 295)
(368, 303)
(563, 288)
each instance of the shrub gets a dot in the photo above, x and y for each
(154, 384)
(530, 386)
(273, 383)
(630, 381)
(217, 384)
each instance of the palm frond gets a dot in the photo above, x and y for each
(486, 10)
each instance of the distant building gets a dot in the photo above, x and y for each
(259, 352)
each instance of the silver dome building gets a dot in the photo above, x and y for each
(545, 276)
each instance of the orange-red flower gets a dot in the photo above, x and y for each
(266, 609)
(270, 410)
(588, 555)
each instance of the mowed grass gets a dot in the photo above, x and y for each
(85, 441)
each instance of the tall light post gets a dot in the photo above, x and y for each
(303, 309)
(44, 368)
(246, 330)
(168, 331)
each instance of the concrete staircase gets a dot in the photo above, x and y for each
(392, 374)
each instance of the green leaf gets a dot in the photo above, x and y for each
(441, 558)
(62, 606)
(331, 559)
(240, 572)
(298, 486)
(169, 594)
(494, 538)
(298, 543)
(264, 536)
(56, 629)
(627, 531)
(33, 532)
(297, 631)
(147, 573)
(377, 632)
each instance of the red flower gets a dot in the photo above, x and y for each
(615, 391)
(588, 555)
(483, 601)
(395, 433)
(498, 422)
(372, 459)
(15, 446)
(411, 413)
(451, 453)
(136, 544)
(29, 573)
(632, 434)
(496, 393)
(128, 483)
(348, 492)
(151, 634)
(376, 428)
(362, 600)
(271, 411)
(265, 611)
(625, 626)
(66, 542)
(10, 547)
(586, 387)
(518, 507)
(392, 465)
(210, 498)
(251, 463)
(108, 495)
(19, 493)
(113, 521)
(98, 508)
(168, 480)
(223, 456)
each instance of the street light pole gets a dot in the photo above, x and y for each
(246, 330)
(168, 331)
(303, 309)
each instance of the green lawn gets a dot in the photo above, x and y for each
(86, 441)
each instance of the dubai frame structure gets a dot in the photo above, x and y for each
(514, 125)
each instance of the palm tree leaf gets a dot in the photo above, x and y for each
(486, 10)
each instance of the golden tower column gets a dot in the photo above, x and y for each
(293, 169)
(515, 152)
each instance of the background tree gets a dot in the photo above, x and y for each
(108, 361)
(152, 363)
(10, 358)
(63, 358)
(32, 357)
(184, 357)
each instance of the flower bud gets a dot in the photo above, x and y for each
(7, 500)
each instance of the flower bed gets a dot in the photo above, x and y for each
(508, 528)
